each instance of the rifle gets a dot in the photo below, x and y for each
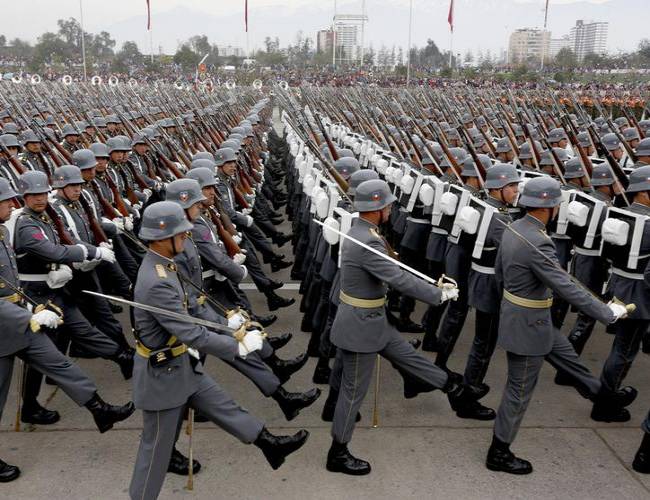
(619, 176)
(59, 227)
(95, 226)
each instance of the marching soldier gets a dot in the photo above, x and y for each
(168, 374)
(33, 157)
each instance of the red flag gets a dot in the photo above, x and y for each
(148, 16)
(450, 16)
(246, 14)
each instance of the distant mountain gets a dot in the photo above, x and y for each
(479, 24)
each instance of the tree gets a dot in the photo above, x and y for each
(186, 57)
(128, 57)
(49, 49)
(200, 45)
(3, 40)
(565, 59)
(70, 33)
(100, 46)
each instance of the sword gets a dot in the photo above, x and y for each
(170, 314)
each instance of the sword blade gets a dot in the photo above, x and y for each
(423, 276)
(164, 312)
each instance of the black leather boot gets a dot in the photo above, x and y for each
(180, 464)
(322, 371)
(275, 284)
(277, 448)
(124, 359)
(275, 302)
(8, 472)
(476, 411)
(265, 321)
(280, 239)
(641, 461)
(463, 399)
(501, 459)
(279, 341)
(292, 402)
(278, 263)
(106, 415)
(284, 368)
(610, 406)
(330, 405)
(406, 324)
(34, 413)
(339, 459)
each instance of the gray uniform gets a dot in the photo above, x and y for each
(526, 331)
(362, 331)
(162, 392)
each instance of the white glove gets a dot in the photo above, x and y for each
(239, 258)
(106, 254)
(147, 192)
(235, 321)
(618, 310)
(245, 272)
(250, 343)
(86, 265)
(59, 277)
(47, 318)
(237, 238)
(246, 211)
(119, 223)
(449, 293)
(128, 223)
(249, 221)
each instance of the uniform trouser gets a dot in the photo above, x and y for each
(433, 314)
(523, 372)
(257, 372)
(42, 355)
(119, 276)
(629, 333)
(410, 258)
(265, 225)
(259, 241)
(645, 425)
(357, 375)
(75, 327)
(485, 340)
(254, 267)
(452, 325)
(160, 430)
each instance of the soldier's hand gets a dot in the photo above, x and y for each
(47, 318)
(449, 293)
(59, 277)
(237, 238)
(106, 254)
(239, 258)
(250, 343)
(619, 311)
(235, 321)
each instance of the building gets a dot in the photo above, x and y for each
(588, 38)
(229, 51)
(324, 40)
(528, 44)
(557, 44)
(347, 42)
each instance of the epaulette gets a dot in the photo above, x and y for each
(160, 271)
(374, 232)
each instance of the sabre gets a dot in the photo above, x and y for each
(426, 278)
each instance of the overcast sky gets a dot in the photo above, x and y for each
(479, 24)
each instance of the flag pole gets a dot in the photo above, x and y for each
(83, 38)
(408, 53)
(450, 20)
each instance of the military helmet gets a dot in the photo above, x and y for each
(203, 163)
(81, 124)
(33, 182)
(346, 166)
(642, 149)
(599, 120)
(116, 144)
(601, 175)
(29, 136)
(84, 159)
(234, 145)
(238, 130)
(10, 128)
(541, 192)
(556, 135)
(611, 141)
(126, 142)
(65, 175)
(583, 139)
(204, 176)
(621, 121)
(500, 175)
(503, 145)
(236, 137)
(99, 149)
(345, 153)
(162, 220)
(68, 130)
(10, 141)
(573, 168)
(630, 133)
(469, 166)
(458, 153)
(6, 191)
(645, 126)
(224, 155)
(358, 177)
(99, 122)
(639, 180)
(186, 192)
(372, 195)
(138, 138)
(203, 155)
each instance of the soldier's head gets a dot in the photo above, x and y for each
(226, 159)
(7, 199)
(642, 151)
(85, 160)
(373, 200)
(602, 180)
(100, 151)
(541, 198)
(34, 188)
(188, 194)
(68, 182)
(70, 134)
(502, 182)
(557, 138)
(574, 172)
(358, 177)
(165, 227)
(207, 182)
(639, 186)
(31, 142)
(139, 145)
(613, 145)
(10, 142)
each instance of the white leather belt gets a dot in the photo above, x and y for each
(556, 236)
(418, 221)
(32, 277)
(587, 251)
(482, 269)
(626, 274)
(211, 273)
(438, 230)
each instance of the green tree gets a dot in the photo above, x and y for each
(186, 57)
(3, 40)
(49, 49)
(128, 56)
(565, 59)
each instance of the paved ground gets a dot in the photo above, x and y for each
(419, 450)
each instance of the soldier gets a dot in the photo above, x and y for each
(166, 347)
(7, 170)
(642, 152)
(361, 329)
(33, 157)
(528, 272)
(23, 337)
(627, 285)
(70, 138)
